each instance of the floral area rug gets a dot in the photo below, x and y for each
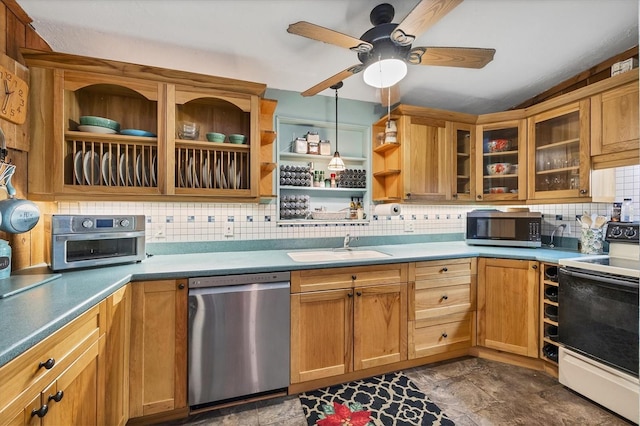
(386, 400)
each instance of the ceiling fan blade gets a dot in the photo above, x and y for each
(387, 98)
(316, 32)
(462, 57)
(332, 80)
(422, 17)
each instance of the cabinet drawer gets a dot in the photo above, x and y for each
(430, 300)
(64, 346)
(442, 269)
(348, 277)
(430, 337)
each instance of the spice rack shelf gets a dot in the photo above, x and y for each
(353, 144)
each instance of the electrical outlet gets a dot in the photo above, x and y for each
(408, 226)
(228, 229)
(159, 231)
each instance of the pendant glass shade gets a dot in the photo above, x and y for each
(385, 73)
(336, 164)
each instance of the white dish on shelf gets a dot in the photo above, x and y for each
(194, 171)
(96, 129)
(206, 176)
(109, 166)
(232, 175)
(139, 171)
(188, 175)
(218, 181)
(126, 169)
(77, 167)
(154, 170)
(91, 168)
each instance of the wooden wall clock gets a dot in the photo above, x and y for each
(14, 94)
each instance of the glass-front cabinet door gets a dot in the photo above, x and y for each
(501, 161)
(559, 153)
(463, 167)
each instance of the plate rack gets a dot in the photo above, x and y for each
(102, 161)
(203, 166)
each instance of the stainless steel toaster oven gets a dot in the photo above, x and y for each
(511, 229)
(82, 241)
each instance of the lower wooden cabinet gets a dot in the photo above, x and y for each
(508, 305)
(442, 304)
(334, 332)
(115, 351)
(158, 358)
(57, 381)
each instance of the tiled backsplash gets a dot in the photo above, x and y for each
(180, 222)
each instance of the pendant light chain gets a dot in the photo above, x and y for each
(336, 163)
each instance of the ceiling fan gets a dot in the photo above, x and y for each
(385, 50)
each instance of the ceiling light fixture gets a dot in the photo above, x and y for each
(336, 164)
(385, 72)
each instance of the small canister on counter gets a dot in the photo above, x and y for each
(5, 259)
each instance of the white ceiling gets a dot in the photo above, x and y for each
(539, 43)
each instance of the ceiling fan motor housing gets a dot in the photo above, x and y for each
(383, 46)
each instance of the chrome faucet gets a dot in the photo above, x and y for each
(562, 226)
(347, 240)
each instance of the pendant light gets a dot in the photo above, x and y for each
(336, 164)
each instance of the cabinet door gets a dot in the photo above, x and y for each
(380, 325)
(614, 126)
(158, 359)
(559, 161)
(425, 160)
(461, 139)
(508, 305)
(321, 334)
(116, 357)
(73, 397)
(501, 161)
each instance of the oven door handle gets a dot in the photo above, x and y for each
(619, 281)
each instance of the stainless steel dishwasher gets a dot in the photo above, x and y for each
(238, 336)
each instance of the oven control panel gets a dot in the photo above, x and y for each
(623, 232)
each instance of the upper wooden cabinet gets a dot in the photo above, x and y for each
(501, 157)
(152, 160)
(418, 167)
(559, 161)
(614, 124)
(461, 139)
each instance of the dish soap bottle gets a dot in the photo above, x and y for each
(626, 213)
(5, 259)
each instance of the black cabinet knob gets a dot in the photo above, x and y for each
(349, 294)
(444, 269)
(57, 397)
(445, 297)
(181, 286)
(358, 293)
(41, 412)
(48, 364)
(354, 277)
(445, 335)
(534, 267)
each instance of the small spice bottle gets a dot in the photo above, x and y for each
(333, 180)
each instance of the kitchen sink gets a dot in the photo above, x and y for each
(335, 255)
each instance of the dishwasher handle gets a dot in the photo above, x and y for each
(239, 288)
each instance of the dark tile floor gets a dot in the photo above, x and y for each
(471, 391)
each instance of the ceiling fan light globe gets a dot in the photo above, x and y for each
(336, 164)
(385, 73)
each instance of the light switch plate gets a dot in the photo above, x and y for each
(408, 226)
(228, 229)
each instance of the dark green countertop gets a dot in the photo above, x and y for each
(29, 317)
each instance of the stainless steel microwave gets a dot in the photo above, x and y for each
(82, 241)
(497, 228)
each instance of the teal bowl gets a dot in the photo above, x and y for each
(215, 137)
(237, 139)
(90, 120)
